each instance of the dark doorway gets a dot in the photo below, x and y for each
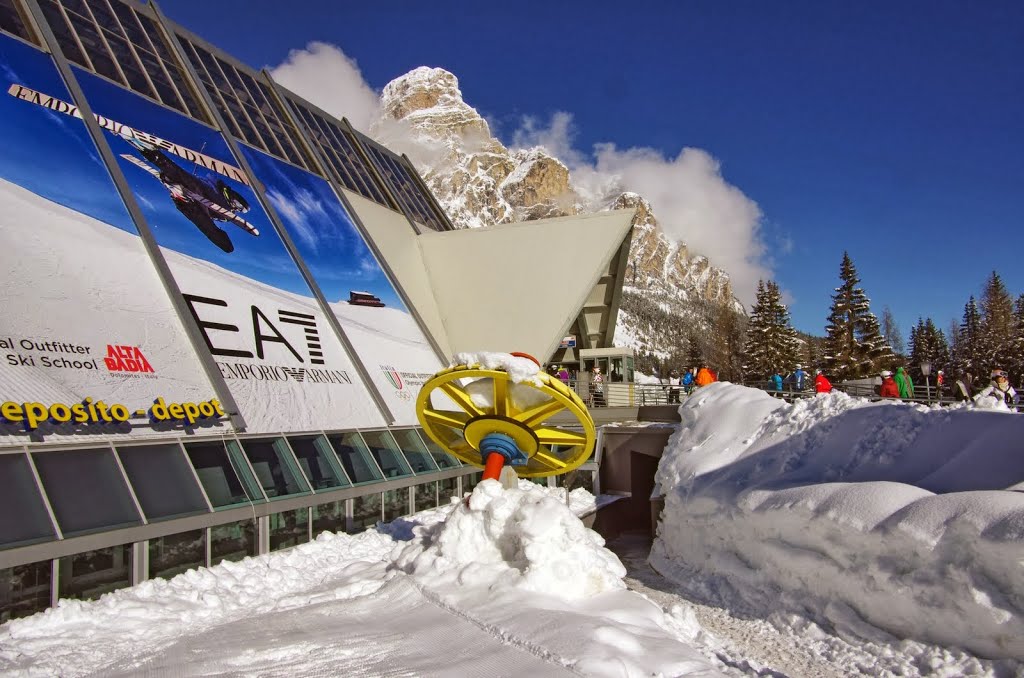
(642, 468)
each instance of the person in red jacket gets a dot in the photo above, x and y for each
(821, 383)
(889, 388)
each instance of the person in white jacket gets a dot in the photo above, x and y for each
(999, 391)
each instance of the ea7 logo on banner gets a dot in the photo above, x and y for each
(122, 358)
(268, 338)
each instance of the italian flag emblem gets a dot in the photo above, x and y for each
(393, 377)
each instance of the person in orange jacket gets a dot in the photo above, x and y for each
(821, 383)
(889, 388)
(704, 376)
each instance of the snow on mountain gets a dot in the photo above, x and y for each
(480, 182)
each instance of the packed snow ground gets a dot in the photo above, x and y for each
(829, 537)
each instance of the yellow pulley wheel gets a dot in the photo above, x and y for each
(460, 406)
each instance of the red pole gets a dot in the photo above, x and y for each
(493, 466)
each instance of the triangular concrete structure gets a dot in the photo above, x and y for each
(531, 281)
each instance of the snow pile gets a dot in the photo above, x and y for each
(519, 369)
(870, 518)
(512, 577)
(514, 539)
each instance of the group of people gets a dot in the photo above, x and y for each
(687, 381)
(997, 391)
(798, 379)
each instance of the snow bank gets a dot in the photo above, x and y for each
(874, 518)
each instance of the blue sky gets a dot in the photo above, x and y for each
(893, 132)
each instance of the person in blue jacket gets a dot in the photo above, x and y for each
(688, 381)
(798, 378)
(776, 382)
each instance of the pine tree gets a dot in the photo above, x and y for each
(727, 349)
(967, 359)
(997, 325)
(1015, 363)
(891, 331)
(854, 346)
(771, 341)
(694, 354)
(928, 344)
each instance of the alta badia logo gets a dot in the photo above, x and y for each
(124, 358)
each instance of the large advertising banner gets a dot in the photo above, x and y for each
(89, 340)
(386, 337)
(284, 366)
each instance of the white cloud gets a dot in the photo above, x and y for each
(692, 200)
(324, 75)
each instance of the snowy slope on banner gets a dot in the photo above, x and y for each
(386, 336)
(73, 279)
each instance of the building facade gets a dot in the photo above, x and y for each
(219, 305)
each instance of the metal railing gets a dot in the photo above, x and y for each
(623, 394)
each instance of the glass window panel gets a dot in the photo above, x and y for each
(102, 62)
(329, 518)
(12, 22)
(177, 553)
(318, 462)
(249, 134)
(415, 451)
(396, 504)
(101, 12)
(155, 37)
(164, 89)
(441, 458)
(366, 512)
(289, 528)
(218, 473)
(77, 6)
(87, 576)
(234, 541)
(23, 515)
(133, 31)
(447, 490)
(425, 497)
(162, 480)
(186, 92)
(275, 467)
(355, 457)
(25, 590)
(131, 67)
(60, 28)
(385, 451)
(86, 490)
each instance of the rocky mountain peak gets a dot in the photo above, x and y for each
(480, 182)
